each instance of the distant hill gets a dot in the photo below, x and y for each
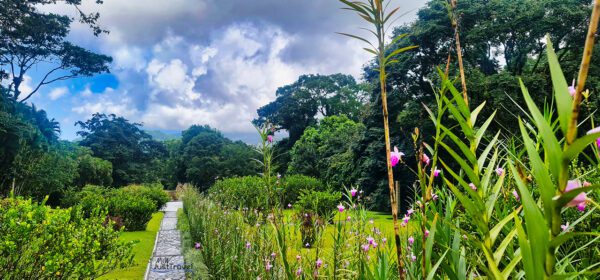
(164, 135)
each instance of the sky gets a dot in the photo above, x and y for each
(184, 62)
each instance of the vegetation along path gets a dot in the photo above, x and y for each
(166, 261)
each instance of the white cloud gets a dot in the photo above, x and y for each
(58, 92)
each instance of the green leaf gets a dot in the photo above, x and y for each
(358, 38)
(539, 170)
(483, 155)
(460, 102)
(564, 100)
(433, 270)
(398, 51)
(507, 241)
(495, 231)
(537, 228)
(481, 131)
(552, 148)
(511, 266)
(579, 145)
(463, 164)
(476, 112)
(559, 240)
(429, 242)
(463, 148)
(531, 271)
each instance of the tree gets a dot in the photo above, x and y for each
(206, 155)
(124, 144)
(298, 105)
(29, 38)
(324, 151)
(92, 170)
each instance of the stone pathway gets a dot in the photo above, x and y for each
(167, 261)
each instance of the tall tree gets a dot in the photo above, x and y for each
(298, 105)
(125, 145)
(31, 38)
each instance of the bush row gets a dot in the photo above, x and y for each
(43, 243)
(131, 206)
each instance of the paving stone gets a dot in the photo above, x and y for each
(170, 214)
(168, 224)
(169, 243)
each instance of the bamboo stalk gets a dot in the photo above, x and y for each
(583, 71)
(459, 53)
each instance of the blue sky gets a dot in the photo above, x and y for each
(183, 62)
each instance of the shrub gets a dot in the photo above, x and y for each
(135, 210)
(153, 192)
(293, 185)
(241, 192)
(42, 243)
(320, 203)
(131, 206)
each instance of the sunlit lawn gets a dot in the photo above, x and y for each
(142, 249)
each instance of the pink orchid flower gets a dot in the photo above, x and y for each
(353, 192)
(425, 159)
(426, 233)
(411, 240)
(395, 156)
(516, 195)
(500, 171)
(341, 208)
(595, 130)
(319, 263)
(436, 172)
(472, 186)
(581, 199)
(270, 138)
(572, 89)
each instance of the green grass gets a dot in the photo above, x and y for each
(142, 249)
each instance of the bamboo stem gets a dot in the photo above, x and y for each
(459, 54)
(583, 71)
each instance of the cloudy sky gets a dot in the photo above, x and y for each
(184, 62)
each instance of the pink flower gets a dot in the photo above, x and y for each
(395, 156)
(270, 138)
(405, 219)
(278, 176)
(472, 186)
(268, 266)
(307, 245)
(341, 208)
(370, 240)
(411, 240)
(198, 246)
(289, 205)
(595, 130)
(565, 227)
(298, 257)
(374, 244)
(426, 233)
(436, 172)
(384, 240)
(581, 199)
(572, 89)
(410, 211)
(353, 192)
(273, 255)
(516, 195)
(500, 171)
(425, 159)
(248, 245)
(434, 197)
(587, 184)
(299, 271)
(413, 258)
(319, 263)
(365, 247)
(403, 224)
(348, 218)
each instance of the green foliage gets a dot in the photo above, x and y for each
(248, 194)
(206, 155)
(92, 170)
(43, 243)
(129, 149)
(293, 185)
(298, 104)
(324, 151)
(321, 203)
(134, 210)
(133, 205)
(153, 192)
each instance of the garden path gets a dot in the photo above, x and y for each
(166, 261)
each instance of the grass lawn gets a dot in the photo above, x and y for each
(142, 249)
